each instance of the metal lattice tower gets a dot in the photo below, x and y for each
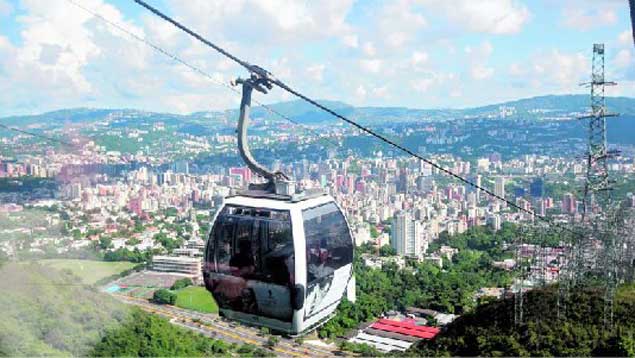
(597, 186)
(596, 256)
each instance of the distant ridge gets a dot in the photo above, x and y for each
(305, 113)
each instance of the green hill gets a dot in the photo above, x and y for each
(49, 312)
(490, 329)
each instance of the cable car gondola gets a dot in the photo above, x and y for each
(276, 257)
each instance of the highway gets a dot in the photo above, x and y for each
(211, 325)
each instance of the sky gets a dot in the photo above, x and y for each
(409, 53)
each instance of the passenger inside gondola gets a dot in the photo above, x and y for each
(242, 263)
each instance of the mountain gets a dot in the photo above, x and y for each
(303, 112)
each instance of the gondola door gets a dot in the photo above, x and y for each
(275, 266)
(254, 262)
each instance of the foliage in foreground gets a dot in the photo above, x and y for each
(490, 329)
(146, 335)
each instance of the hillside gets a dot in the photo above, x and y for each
(490, 330)
(48, 312)
(305, 113)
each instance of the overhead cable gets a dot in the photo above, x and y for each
(285, 87)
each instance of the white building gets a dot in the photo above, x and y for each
(499, 186)
(407, 235)
(187, 266)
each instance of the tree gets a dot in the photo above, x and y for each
(387, 250)
(264, 331)
(373, 232)
(163, 296)
(272, 341)
(105, 242)
(181, 283)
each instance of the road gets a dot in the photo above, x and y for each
(213, 326)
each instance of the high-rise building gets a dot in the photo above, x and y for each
(476, 179)
(536, 188)
(569, 204)
(407, 235)
(499, 186)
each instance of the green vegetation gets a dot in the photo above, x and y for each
(196, 298)
(425, 285)
(163, 296)
(490, 329)
(362, 349)
(272, 341)
(387, 250)
(49, 312)
(123, 254)
(168, 243)
(89, 271)
(146, 335)
(249, 350)
(181, 283)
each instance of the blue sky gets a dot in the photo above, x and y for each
(414, 53)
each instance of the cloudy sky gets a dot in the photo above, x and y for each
(415, 53)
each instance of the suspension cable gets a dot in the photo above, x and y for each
(382, 138)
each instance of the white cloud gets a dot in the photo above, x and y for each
(360, 92)
(517, 70)
(369, 49)
(586, 19)
(398, 22)
(624, 58)
(419, 58)
(371, 65)
(500, 17)
(481, 52)
(433, 82)
(316, 72)
(5, 8)
(562, 70)
(478, 57)
(266, 22)
(381, 92)
(350, 40)
(481, 72)
(625, 38)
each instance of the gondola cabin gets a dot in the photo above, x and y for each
(284, 262)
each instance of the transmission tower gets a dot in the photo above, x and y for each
(597, 186)
(597, 254)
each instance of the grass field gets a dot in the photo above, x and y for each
(196, 298)
(88, 270)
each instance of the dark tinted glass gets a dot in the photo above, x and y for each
(328, 241)
(254, 261)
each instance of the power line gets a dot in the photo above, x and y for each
(261, 72)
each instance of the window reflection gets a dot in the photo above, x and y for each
(254, 254)
(328, 241)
